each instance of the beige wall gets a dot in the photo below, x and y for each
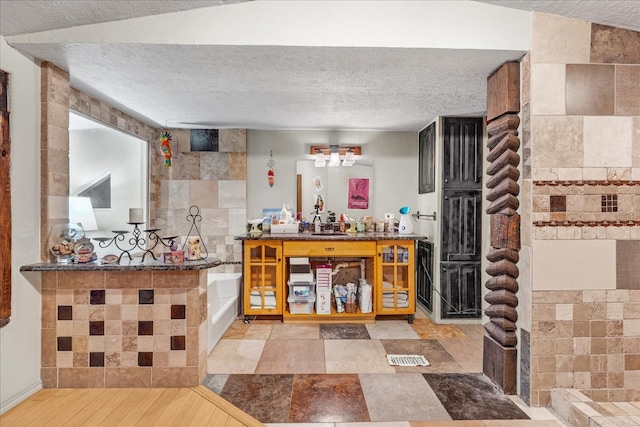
(581, 207)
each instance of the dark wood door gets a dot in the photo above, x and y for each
(460, 282)
(461, 297)
(424, 269)
(462, 154)
(461, 225)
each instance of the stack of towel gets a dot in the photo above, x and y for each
(255, 300)
(398, 299)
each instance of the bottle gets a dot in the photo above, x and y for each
(283, 214)
(317, 224)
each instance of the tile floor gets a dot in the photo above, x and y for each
(326, 375)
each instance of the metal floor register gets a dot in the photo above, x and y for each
(407, 360)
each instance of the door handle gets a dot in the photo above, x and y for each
(329, 249)
(446, 197)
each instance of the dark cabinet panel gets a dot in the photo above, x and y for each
(427, 159)
(461, 293)
(460, 279)
(424, 271)
(461, 225)
(462, 159)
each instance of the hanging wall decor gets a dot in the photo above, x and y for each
(271, 177)
(194, 246)
(165, 148)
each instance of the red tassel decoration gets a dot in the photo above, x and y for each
(271, 177)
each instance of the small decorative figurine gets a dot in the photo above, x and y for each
(271, 176)
(165, 148)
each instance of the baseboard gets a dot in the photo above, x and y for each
(20, 397)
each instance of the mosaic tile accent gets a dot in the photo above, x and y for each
(145, 327)
(96, 327)
(610, 203)
(96, 359)
(145, 358)
(558, 203)
(64, 344)
(65, 312)
(178, 342)
(97, 296)
(145, 296)
(178, 311)
(588, 205)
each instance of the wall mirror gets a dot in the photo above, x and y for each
(339, 189)
(110, 167)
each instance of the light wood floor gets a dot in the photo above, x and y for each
(195, 406)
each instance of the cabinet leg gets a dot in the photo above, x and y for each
(410, 318)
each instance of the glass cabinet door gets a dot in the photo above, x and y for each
(396, 278)
(263, 285)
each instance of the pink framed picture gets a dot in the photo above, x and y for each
(358, 193)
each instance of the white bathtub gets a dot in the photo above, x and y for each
(223, 291)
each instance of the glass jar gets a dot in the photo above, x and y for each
(63, 239)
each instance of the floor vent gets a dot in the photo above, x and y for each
(407, 360)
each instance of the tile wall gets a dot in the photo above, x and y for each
(123, 329)
(581, 210)
(588, 340)
(214, 181)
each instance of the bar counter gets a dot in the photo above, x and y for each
(130, 325)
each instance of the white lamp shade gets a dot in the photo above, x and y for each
(334, 160)
(81, 210)
(349, 159)
(320, 163)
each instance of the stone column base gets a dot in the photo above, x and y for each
(499, 364)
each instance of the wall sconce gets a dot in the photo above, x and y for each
(335, 153)
(334, 158)
(349, 158)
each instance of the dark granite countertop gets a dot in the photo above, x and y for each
(126, 265)
(329, 236)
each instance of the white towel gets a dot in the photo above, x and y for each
(398, 299)
(255, 300)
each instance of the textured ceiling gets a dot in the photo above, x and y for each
(274, 87)
(29, 16)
